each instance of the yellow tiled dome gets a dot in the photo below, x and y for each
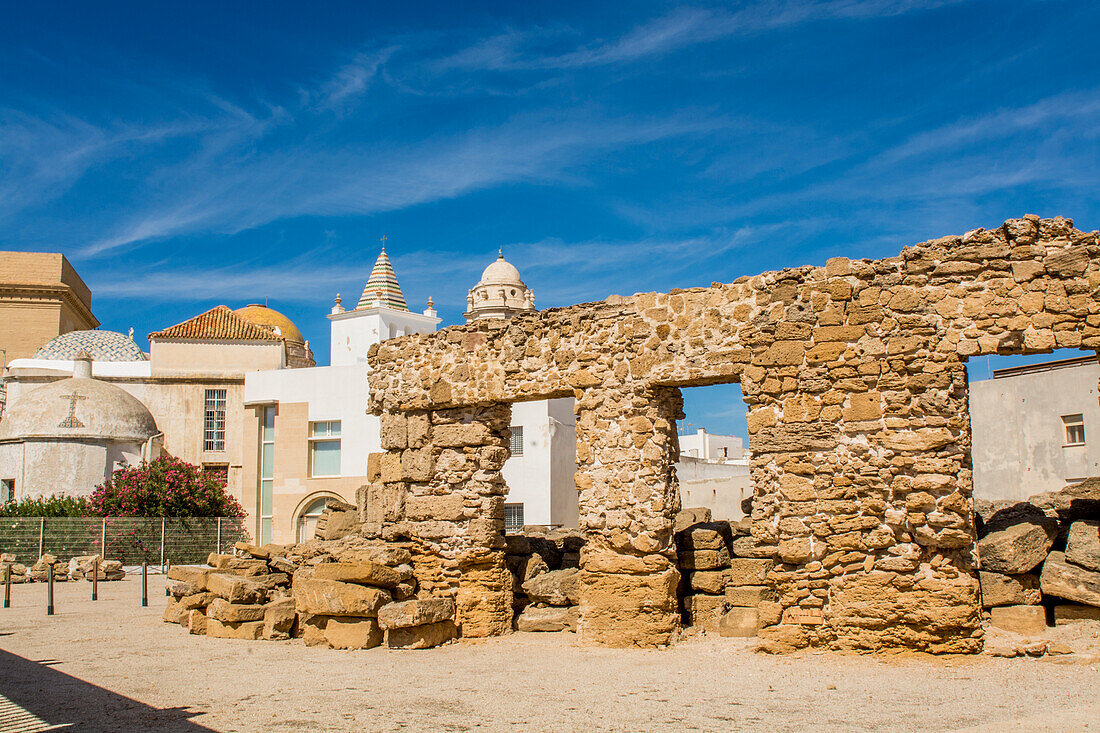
(272, 320)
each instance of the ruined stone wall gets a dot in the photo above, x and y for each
(857, 410)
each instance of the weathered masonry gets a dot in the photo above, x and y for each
(857, 409)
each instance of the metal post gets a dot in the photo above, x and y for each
(219, 535)
(49, 594)
(167, 567)
(162, 543)
(95, 579)
(103, 539)
(7, 587)
(144, 583)
(41, 534)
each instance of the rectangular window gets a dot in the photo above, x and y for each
(1075, 429)
(7, 490)
(217, 471)
(213, 427)
(324, 448)
(267, 475)
(517, 441)
(513, 517)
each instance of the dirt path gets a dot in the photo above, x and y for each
(114, 665)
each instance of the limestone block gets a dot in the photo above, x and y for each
(709, 581)
(362, 573)
(197, 600)
(770, 613)
(1083, 545)
(748, 595)
(407, 614)
(1065, 613)
(227, 612)
(352, 633)
(705, 536)
(234, 565)
(1061, 579)
(483, 603)
(1009, 590)
(279, 617)
(332, 598)
(196, 621)
(1018, 548)
(548, 618)
(312, 629)
(1026, 620)
(739, 622)
(195, 577)
(416, 464)
(283, 565)
(421, 637)
(236, 588)
(418, 425)
(749, 571)
(704, 610)
(249, 630)
(628, 610)
(448, 508)
(173, 613)
(459, 434)
(704, 559)
(554, 588)
(394, 431)
(752, 548)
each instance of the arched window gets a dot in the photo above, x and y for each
(307, 520)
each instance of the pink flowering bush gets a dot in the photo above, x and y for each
(166, 487)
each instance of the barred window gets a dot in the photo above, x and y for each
(517, 440)
(213, 427)
(513, 517)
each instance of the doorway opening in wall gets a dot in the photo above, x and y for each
(713, 470)
(1034, 422)
(306, 524)
(540, 469)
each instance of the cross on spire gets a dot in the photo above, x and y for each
(384, 238)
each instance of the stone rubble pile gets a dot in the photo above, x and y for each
(344, 594)
(1040, 558)
(545, 579)
(723, 574)
(83, 567)
(77, 568)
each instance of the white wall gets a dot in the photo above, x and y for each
(353, 332)
(542, 479)
(702, 444)
(333, 393)
(1018, 434)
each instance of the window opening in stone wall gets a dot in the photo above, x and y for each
(324, 448)
(541, 468)
(7, 490)
(217, 471)
(713, 471)
(1028, 415)
(513, 517)
(515, 434)
(213, 429)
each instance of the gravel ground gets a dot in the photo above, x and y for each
(114, 665)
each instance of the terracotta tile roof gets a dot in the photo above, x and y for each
(218, 324)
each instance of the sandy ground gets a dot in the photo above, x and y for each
(113, 665)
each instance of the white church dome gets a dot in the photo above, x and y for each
(501, 272)
(501, 293)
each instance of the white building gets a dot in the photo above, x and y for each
(713, 472)
(1035, 428)
(311, 430)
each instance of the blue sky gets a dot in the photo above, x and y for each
(186, 155)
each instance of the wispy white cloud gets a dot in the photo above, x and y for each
(683, 27)
(352, 80)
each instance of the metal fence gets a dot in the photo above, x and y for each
(133, 540)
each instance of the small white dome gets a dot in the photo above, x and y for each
(501, 272)
(78, 408)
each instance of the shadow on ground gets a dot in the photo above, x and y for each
(59, 699)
